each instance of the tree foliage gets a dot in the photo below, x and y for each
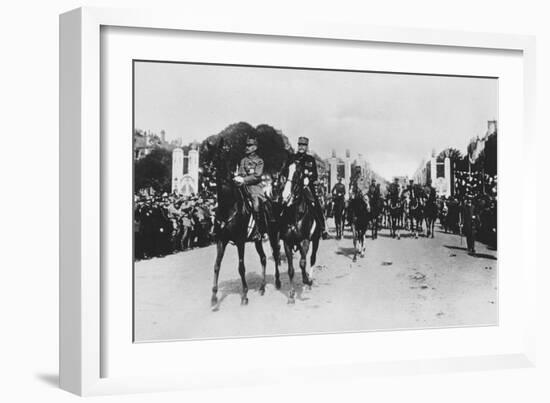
(273, 146)
(452, 153)
(154, 171)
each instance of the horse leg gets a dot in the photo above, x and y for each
(274, 240)
(314, 248)
(261, 253)
(398, 229)
(292, 292)
(219, 256)
(242, 273)
(354, 232)
(304, 247)
(363, 236)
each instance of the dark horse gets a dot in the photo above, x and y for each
(339, 205)
(359, 212)
(298, 228)
(233, 217)
(416, 214)
(430, 213)
(395, 206)
(376, 207)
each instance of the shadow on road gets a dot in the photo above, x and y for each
(254, 281)
(480, 255)
(347, 252)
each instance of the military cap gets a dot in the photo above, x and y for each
(303, 140)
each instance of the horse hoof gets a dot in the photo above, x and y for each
(244, 301)
(278, 284)
(214, 302)
(262, 291)
(291, 301)
(354, 259)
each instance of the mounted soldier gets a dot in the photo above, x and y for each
(249, 175)
(338, 206)
(308, 166)
(339, 189)
(358, 184)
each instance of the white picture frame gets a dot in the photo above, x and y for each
(82, 340)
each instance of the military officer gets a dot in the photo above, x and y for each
(249, 174)
(309, 167)
(374, 189)
(339, 189)
(358, 184)
(469, 221)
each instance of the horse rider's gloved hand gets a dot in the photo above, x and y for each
(306, 181)
(238, 180)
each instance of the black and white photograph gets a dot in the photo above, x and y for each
(272, 201)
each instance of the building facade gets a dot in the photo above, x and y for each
(185, 170)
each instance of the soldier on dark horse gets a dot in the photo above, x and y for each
(339, 205)
(359, 211)
(302, 220)
(430, 209)
(415, 208)
(239, 211)
(376, 204)
(395, 206)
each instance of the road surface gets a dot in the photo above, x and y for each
(399, 284)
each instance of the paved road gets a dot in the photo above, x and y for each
(407, 283)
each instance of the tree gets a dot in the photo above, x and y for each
(452, 153)
(273, 146)
(154, 171)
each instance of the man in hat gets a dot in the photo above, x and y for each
(358, 183)
(374, 190)
(410, 189)
(308, 165)
(469, 221)
(339, 189)
(249, 174)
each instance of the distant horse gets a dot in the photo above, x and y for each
(430, 213)
(416, 215)
(376, 206)
(233, 219)
(298, 228)
(395, 206)
(339, 205)
(359, 210)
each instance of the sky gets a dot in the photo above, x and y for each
(393, 120)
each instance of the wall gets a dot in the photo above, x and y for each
(29, 282)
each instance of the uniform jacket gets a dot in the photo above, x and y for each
(251, 169)
(339, 190)
(307, 164)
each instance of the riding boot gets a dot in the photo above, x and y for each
(257, 231)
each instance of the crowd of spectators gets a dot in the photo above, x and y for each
(168, 223)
